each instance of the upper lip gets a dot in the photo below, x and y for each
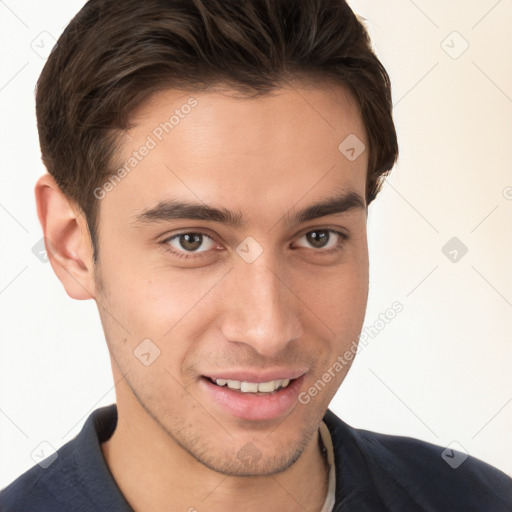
(257, 376)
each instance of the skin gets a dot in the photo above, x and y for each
(295, 306)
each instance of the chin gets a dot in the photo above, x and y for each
(249, 461)
(252, 456)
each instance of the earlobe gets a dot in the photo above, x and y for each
(67, 239)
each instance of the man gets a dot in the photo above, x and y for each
(210, 168)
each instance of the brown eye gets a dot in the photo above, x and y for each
(323, 239)
(191, 242)
(318, 239)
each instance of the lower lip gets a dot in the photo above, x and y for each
(253, 406)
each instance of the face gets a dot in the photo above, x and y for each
(233, 254)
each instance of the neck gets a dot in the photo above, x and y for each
(155, 474)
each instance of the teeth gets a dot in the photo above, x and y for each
(254, 387)
(266, 387)
(249, 387)
(233, 384)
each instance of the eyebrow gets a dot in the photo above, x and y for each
(176, 209)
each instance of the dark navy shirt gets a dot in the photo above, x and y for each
(374, 472)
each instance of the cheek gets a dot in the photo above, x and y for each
(150, 298)
(170, 308)
(338, 295)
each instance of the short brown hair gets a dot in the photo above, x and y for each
(113, 54)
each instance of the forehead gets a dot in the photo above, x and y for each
(261, 154)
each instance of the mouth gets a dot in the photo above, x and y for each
(251, 397)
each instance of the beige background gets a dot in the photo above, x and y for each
(440, 371)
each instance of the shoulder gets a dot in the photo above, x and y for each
(76, 475)
(42, 486)
(403, 469)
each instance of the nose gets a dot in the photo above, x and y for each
(260, 308)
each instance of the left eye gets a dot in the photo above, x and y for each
(191, 242)
(323, 239)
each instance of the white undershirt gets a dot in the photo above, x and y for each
(325, 437)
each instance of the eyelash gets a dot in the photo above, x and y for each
(191, 255)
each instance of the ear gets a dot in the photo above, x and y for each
(67, 239)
